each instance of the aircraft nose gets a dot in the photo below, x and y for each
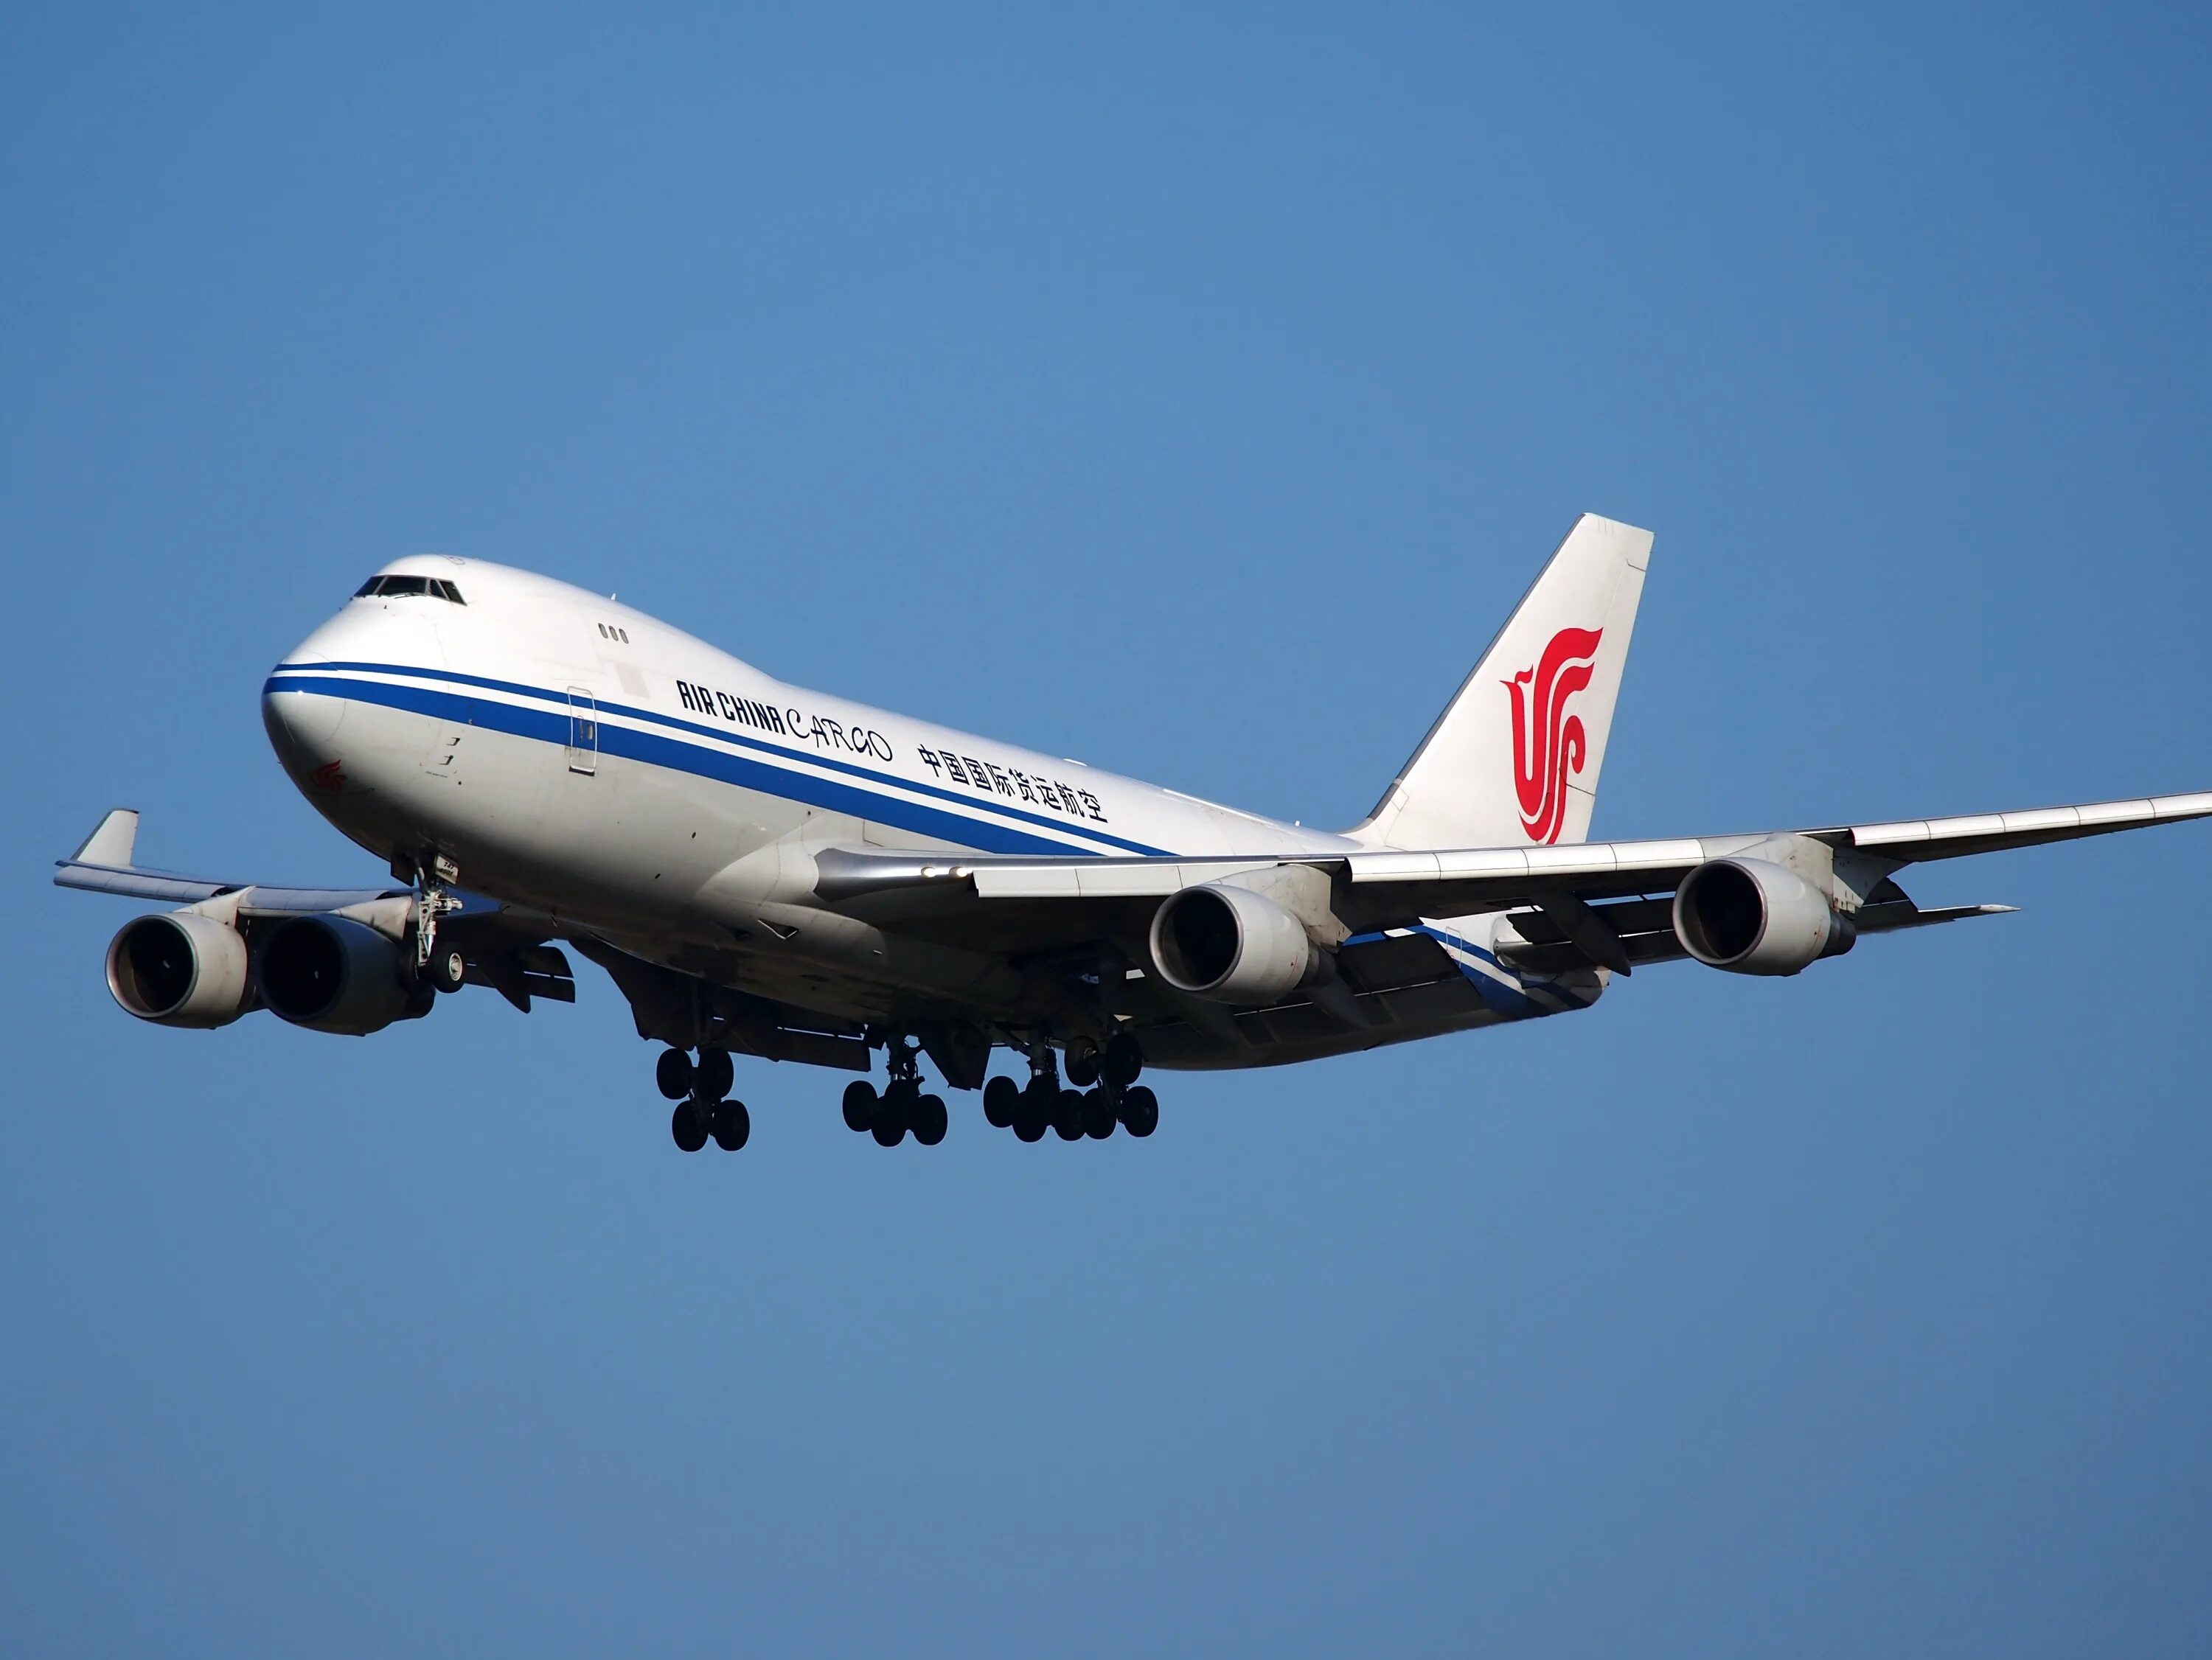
(301, 711)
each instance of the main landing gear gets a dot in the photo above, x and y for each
(1113, 1098)
(901, 1107)
(699, 1091)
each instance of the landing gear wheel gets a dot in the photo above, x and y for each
(930, 1120)
(1140, 1112)
(1002, 1100)
(1082, 1064)
(447, 969)
(1068, 1116)
(671, 1073)
(860, 1105)
(733, 1125)
(689, 1126)
(1122, 1061)
(892, 1115)
(1033, 1116)
(714, 1075)
(1097, 1115)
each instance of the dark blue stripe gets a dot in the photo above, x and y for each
(547, 726)
(1516, 1005)
(724, 734)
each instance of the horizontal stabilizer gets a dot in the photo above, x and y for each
(1645, 930)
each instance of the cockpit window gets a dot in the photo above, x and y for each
(405, 587)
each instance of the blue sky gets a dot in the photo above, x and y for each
(1189, 389)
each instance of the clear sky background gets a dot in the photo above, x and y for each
(1191, 390)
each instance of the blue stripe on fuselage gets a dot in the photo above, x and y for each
(702, 760)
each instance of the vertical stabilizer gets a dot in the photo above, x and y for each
(1513, 760)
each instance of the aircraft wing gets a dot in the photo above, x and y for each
(1379, 888)
(104, 865)
(508, 948)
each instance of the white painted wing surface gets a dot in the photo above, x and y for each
(1386, 889)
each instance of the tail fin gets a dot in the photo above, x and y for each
(1514, 759)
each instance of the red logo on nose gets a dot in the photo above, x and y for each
(328, 777)
(1548, 743)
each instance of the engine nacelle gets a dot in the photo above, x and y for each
(1751, 917)
(1232, 945)
(180, 970)
(334, 974)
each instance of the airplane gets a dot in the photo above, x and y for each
(781, 873)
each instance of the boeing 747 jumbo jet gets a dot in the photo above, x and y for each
(779, 873)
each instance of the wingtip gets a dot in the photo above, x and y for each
(113, 840)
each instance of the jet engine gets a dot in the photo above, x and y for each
(1751, 917)
(334, 974)
(180, 970)
(1232, 945)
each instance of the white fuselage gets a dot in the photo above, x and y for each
(573, 755)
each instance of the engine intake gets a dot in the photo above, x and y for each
(180, 970)
(334, 974)
(1752, 917)
(1232, 945)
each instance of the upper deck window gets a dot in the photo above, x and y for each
(404, 587)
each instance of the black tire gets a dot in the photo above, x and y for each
(888, 1128)
(1123, 1061)
(687, 1124)
(1002, 1098)
(1039, 1102)
(1082, 1064)
(1097, 1114)
(860, 1105)
(1140, 1112)
(733, 1125)
(671, 1073)
(447, 969)
(1068, 1116)
(931, 1120)
(712, 1078)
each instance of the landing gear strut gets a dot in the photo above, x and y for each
(699, 1090)
(442, 967)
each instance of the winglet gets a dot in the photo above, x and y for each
(112, 843)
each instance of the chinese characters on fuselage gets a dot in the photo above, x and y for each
(992, 778)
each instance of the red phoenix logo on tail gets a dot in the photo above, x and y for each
(1548, 743)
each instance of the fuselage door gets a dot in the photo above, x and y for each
(583, 731)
